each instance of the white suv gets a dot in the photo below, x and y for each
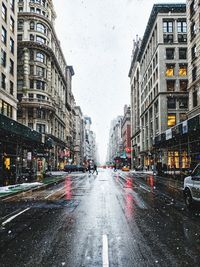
(192, 187)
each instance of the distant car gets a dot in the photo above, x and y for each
(74, 168)
(125, 168)
(191, 189)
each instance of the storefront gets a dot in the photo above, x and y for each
(18, 144)
(180, 145)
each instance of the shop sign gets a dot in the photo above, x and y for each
(168, 134)
(29, 156)
(185, 127)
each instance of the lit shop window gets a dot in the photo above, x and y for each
(171, 119)
(182, 70)
(169, 70)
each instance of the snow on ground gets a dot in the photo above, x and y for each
(10, 188)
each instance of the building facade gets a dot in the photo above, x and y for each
(134, 75)
(126, 135)
(115, 145)
(8, 67)
(79, 139)
(163, 78)
(44, 80)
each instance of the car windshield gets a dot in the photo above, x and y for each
(99, 133)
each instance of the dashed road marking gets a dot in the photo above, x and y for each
(105, 251)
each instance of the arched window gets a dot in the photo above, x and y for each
(41, 28)
(40, 57)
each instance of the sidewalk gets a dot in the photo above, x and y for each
(12, 190)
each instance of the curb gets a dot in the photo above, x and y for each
(38, 188)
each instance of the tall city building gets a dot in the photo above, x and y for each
(163, 78)
(193, 12)
(134, 75)
(8, 67)
(44, 78)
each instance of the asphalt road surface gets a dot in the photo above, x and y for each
(110, 219)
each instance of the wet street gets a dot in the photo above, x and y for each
(111, 219)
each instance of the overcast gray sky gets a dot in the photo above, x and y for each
(97, 38)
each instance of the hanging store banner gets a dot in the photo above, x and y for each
(168, 134)
(185, 127)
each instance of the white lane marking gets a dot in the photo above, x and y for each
(105, 251)
(145, 188)
(13, 217)
(53, 193)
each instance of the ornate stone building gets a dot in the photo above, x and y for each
(44, 79)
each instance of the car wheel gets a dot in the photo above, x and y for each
(188, 199)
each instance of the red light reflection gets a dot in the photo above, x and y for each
(129, 182)
(150, 181)
(68, 194)
(129, 205)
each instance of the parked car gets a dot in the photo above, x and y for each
(191, 189)
(74, 168)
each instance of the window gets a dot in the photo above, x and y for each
(41, 28)
(38, 11)
(192, 11)
(11, 88)
(169, 53)
(32, 10)
(4, 12)
(3, 81)
(31, 70)
(40, 40)
(169, 70)
(40, 128)
(194, 52)
(183, 102)
(19, 97)
(41, 114)
(194, 74)
(182, 53)
(167, 26)
(40, 85)
(30, 125)
(6, 109)
(182, 27)
(20, 9)
(182, 38)
(32, 84)
(12, 5)
(40, 71)
(168, 38)
(193, 30)
(182, 70)
(40, 57)
(171, 119)
(12, 24)
(194, 99)
(3, 35)
(12, 45)
(11, 67)
(183, 85)
(3, 58)
(170, 85)
(30, 113)
(20, 84)
(20, 70)
(32, 37)
(171, 102)
(32, 25)
(182, 117)
(20, 25)
(19, 37)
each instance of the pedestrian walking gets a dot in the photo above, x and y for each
(89, 168)
(95, 169)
